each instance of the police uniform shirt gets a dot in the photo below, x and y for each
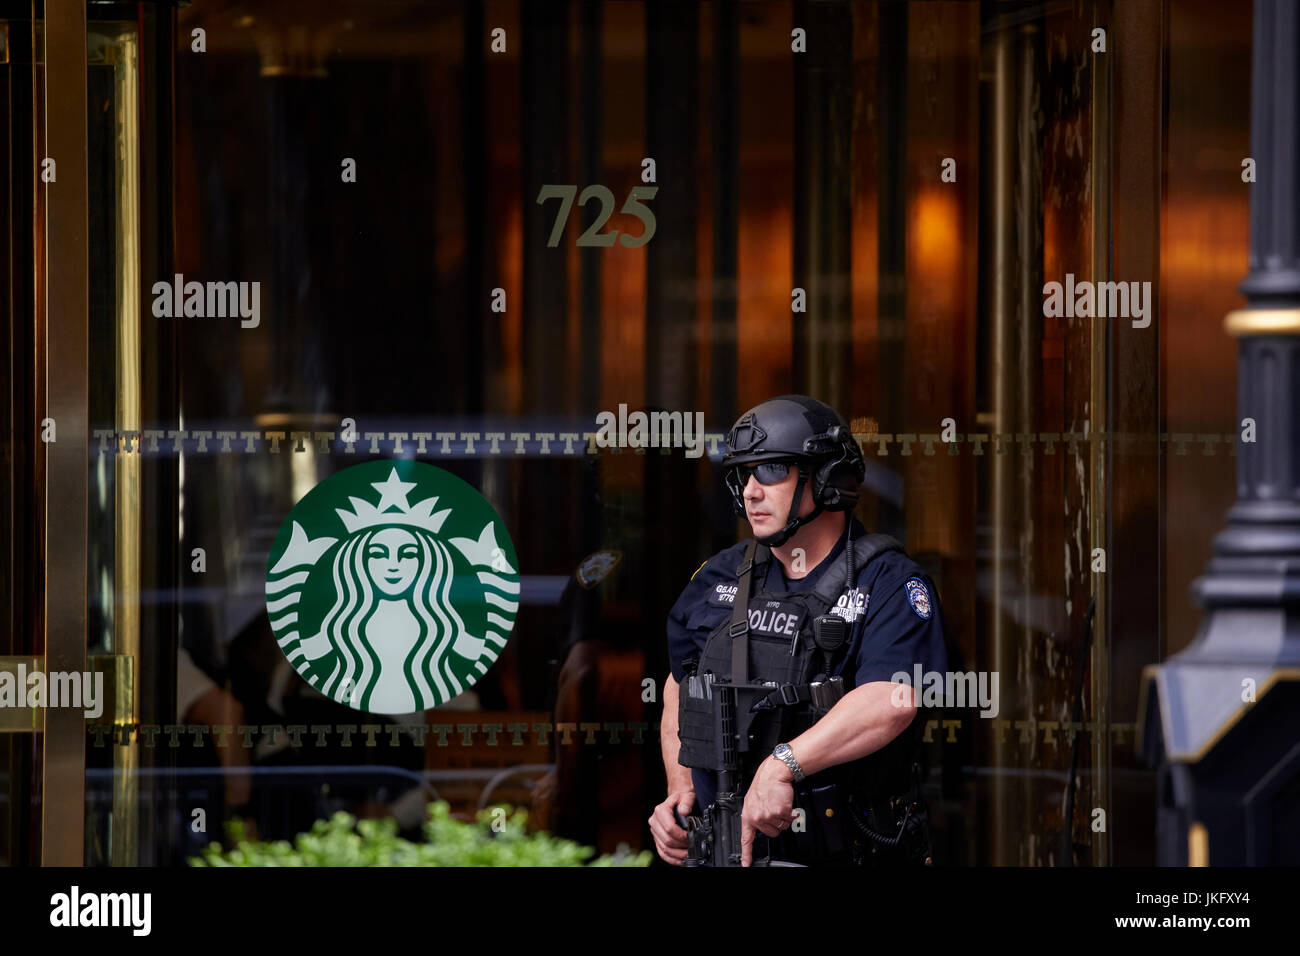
(902, 626)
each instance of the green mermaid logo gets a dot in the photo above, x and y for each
(382, 605)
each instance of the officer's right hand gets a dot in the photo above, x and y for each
(670, 839)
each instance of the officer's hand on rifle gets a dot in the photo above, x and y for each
(670, 839)
(769, 805)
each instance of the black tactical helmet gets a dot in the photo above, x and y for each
(812, 435)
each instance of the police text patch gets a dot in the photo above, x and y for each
(851, 605)
(776, 619)
(919, 598)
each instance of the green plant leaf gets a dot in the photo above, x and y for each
(342, 840)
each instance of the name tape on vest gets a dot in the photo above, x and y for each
(724, 595)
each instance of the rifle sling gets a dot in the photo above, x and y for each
(740, 619)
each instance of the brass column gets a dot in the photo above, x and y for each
(118, 47)
(1011, 243)
(67, 276)
(1099, 422)
(999, 308)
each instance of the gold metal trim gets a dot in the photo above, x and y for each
(1262, 322)
(1278, 676)
(1149, 673)
(119, 680)
(120, 686)
(295, 420)
(123, 54)
(1198, 845)
(1098, 419)
(22, 720)
(1003, 796)
(66, 285)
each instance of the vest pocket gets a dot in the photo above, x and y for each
(769, 659)
(695, 732)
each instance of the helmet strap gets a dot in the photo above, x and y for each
(793, 521)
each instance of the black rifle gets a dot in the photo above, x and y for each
(714, 837)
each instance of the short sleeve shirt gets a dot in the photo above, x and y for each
(901, 630)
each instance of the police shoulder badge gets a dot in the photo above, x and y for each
(919, 598)
(597, 566)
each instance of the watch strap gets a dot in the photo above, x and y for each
(783, 753)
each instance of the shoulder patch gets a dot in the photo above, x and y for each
(919, 597)
(852, 604)
(699, 569)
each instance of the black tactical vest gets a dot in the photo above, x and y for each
(781, 651)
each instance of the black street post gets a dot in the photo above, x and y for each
(1224, 719)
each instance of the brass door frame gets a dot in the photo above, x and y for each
(67, 298)
(63, 350)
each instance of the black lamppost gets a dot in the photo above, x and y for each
(1222, 717)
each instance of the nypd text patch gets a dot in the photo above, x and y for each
(919, 598)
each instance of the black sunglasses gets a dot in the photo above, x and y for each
(767, 472)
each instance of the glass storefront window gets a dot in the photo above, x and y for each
(458, 233)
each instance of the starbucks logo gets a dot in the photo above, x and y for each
(392, 587)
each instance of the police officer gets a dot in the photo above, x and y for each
(794, 469)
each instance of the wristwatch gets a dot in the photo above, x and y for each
(783, 753)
